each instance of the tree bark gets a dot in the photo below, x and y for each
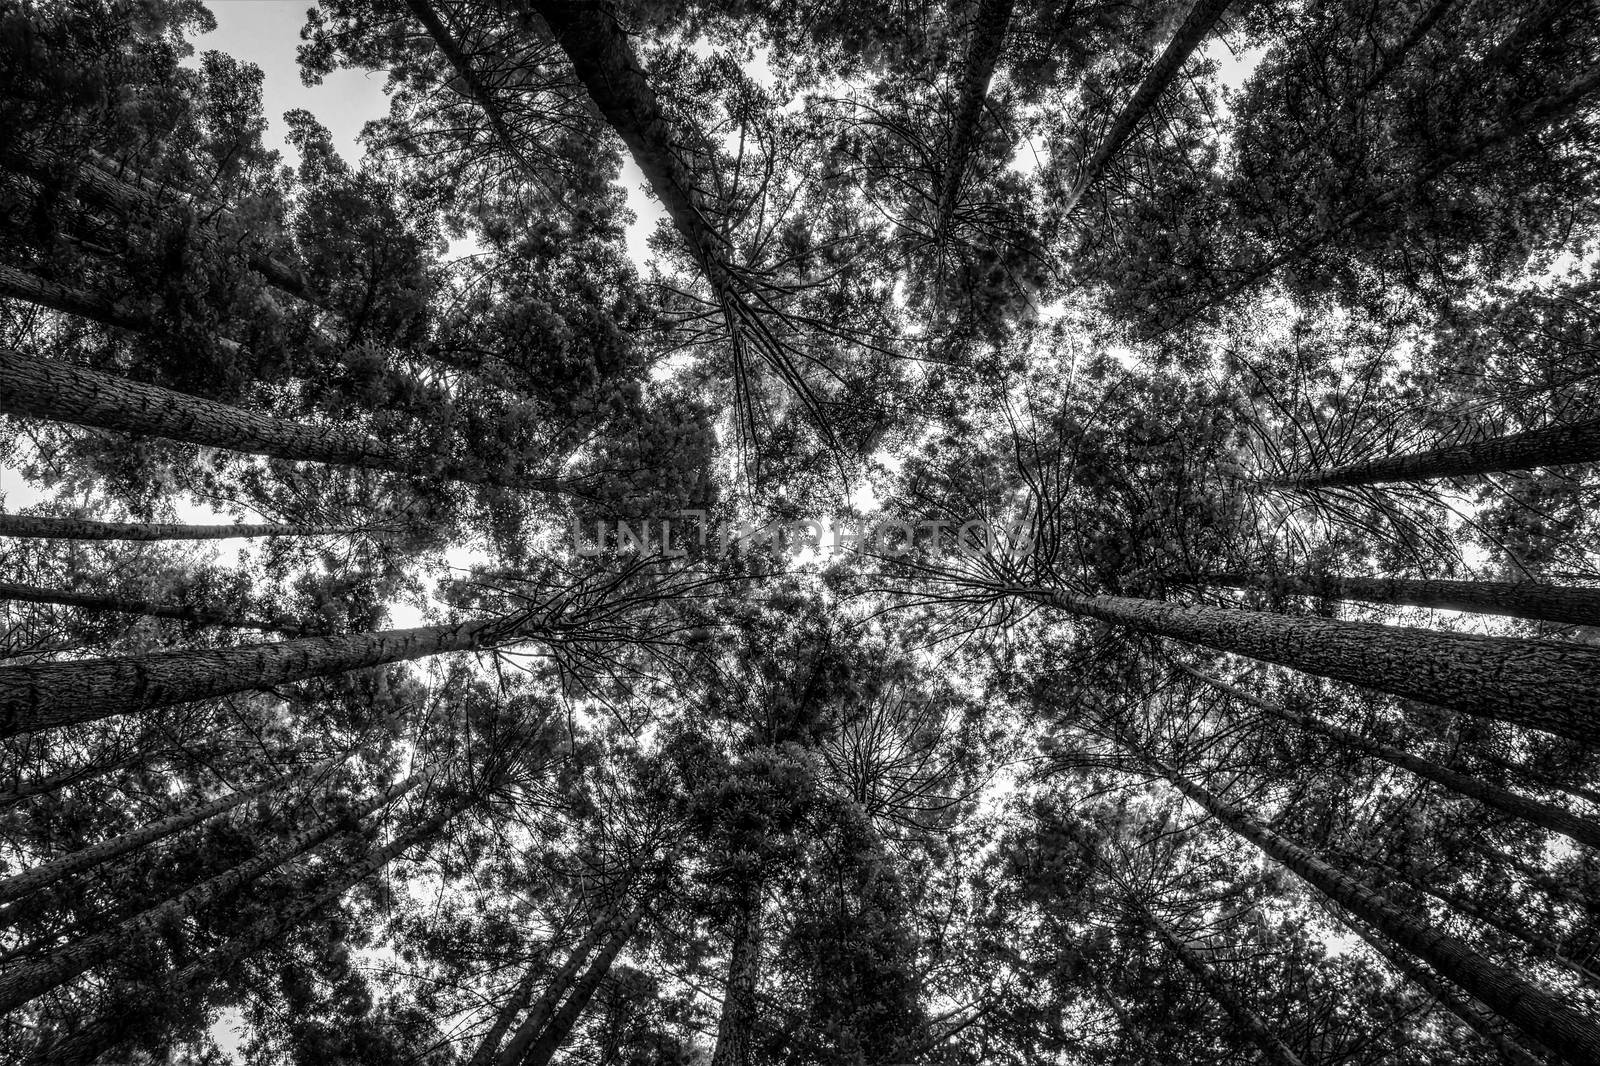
(1545, 815)
(1578, 442)
(119, 605)
(1197, 26)
(50, 695)
(1273, 1049)
(20, 285)
(1471, 1014)
(1539, 684)
(22, 984)
(515, 1003)
(539, 1016)
(38, 526)
(983, 53)
(744, 972)
(62, 392)
(48, 873)
(1546, 1018)
(1564, 604)
(561, 1024)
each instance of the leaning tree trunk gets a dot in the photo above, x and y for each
(62, 392)
(561, 1024)
(25, 790)
(42, 527)
(514, 1005)
(1543, 1016)
(1471, 1014)
(539, 1015)
(181, 612)
(1539, 684)
(48, 873)
(22, 984)
(1545, 815)
(1565, 604)
(744, 971)
(983, 53)
(50, 695)
(1273, 1049)
(20, 285)
(1578, 442)
(1197, 26)
(107, 1032)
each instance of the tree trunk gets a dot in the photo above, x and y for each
(52, 782)
(744, 972)
(1543, 1016)
(1545, 815)
(50, 695)
(539, 1016)
(20, 285)
(107, 1032)
(36, 526)
(1472, 1015)
(118, 605)
(561, 1024)
(22, 984)
(1551, 446)
(62, 392)
(983, 53)
(1565, 604)
(1273, 1049)
(47, 873)
(515, 1003)
(1539, 684)
(1197, 26)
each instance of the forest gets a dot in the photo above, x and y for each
(1075, 544)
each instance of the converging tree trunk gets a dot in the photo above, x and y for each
(48, 873)
(44, 527)
(984, 46)
(1545, 1017)
(1578, 442)
(1545, 815)
(62, 392)
(24, 790)
(1197, 26)
(555, 1034)
(181, 612)
(544, 1008)
(88, 1044)
(49, 695)
(26, 982)
(1565, 604)
(1539, 684)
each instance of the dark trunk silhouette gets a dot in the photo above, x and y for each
(561, 1023)
(1397, 55)
(1538, 1013)
(544, 1008)
(1197, 26)
(49, 695)
(1545, 815)
(47, 873)
(1578, 442)
(122, 605)
(744, 971)
(1568, 605)
(23, 983)
(43, 527)
(983, 53)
